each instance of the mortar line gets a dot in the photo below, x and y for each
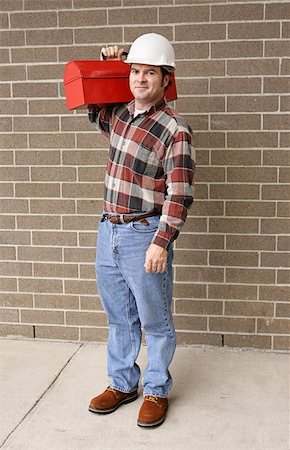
(41, 396)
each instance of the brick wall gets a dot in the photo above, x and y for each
(231, 262)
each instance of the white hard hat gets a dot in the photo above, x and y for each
(152, 49)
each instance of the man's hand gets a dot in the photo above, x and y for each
(112, 52)
(156, 259)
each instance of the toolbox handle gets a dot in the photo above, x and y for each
(123, 54)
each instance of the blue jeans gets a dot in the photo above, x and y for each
(134, 299)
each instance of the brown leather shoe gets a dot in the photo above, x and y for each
(153, 411)
(110, 400)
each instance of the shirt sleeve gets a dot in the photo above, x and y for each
(102, 118)
(179, 167)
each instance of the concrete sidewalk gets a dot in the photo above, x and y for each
(223, 399)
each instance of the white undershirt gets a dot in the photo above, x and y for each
(139, 111)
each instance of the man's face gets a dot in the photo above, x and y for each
(147, 85)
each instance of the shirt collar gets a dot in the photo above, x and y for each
(151, 110)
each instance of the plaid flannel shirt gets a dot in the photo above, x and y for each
(149, 164)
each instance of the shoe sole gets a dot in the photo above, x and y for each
(110, 410)
(152, 424)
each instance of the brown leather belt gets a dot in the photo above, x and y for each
(116, 219)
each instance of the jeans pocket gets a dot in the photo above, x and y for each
(150, 227)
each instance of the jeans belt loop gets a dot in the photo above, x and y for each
(122, 218)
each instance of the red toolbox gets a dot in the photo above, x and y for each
(101, 82)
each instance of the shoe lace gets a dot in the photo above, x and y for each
(153, 399)
(115, 392)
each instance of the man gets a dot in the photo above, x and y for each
(147, 195)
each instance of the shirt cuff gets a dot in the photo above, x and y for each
(162, 239)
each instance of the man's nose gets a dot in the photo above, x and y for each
(141, 77)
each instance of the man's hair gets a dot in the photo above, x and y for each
(165, 70)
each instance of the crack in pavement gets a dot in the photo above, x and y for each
(42, 395)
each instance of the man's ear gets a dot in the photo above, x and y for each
(166, 80)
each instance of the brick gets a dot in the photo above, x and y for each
(198, 307)
(210, 174)
(12, 38)
(37, 107)
(235, 122)
(8, 284)
(5, 124)
(195, 87)
(9, 315)
(281, 343)
(15, 237)
(236, 158)
(131, 33)
(14, 174)
(246, 259)
(276, 158)
(253, 209)
(241, 242)
(79, 223)
(40, 285)
(80, 287)
(237, 12)
(252, 139)
(283, 310)
(279, 326)
(274, 192)
(276, 85)
(84, 318)
(34, 20)
(16, 330)
(201, 68)
(30, 55)
(285, 30)
(246, 341)
(7, 5)
(253, 67)
(42, 4)
(239, 49)
(45, 71)
(58, 332)
(276, 122)
(61, 140)
(14, 73)
(207, 32)
(283, 277)
(82, 190)
(4, 21)
(79, 255)
(235, 85)
(285, 67)
(231, 324)
(277, 10)
(87, 271)
(252, 103)
(4, 88)
(36, 124)
(73, 52)
(91, 173)
(275, 226)
(94, 334)
(277, 48)
(49, 37)
(15, 269)
(37, 158)
(84, 157)
(210, 140)
(254, 309)
(250, 276)
(47, 301)
(75, 123)
(283, 243)
(186, 338)
(39, 254)
(13, 107)
(94, 140)
(200, 241)
(197, 225)
(232, 292)
(190, 257)
(232, 225)
(180, 14)
(206, 208)
(252, 174)
(35, 90)
(53, 174)
(285, 103)
(254, 30)
(201, 104)
(7, 222)
(274, 293)
(232, 191)
(283, 209)
(75, 18)
(99, 34)
(55, 270)
(190, 323)
(35, 316)
(285, 140)
(16, 300)
(56, 238)
(192, 291)
(91, 303)
(36, 222)
(132, 16)
(6, 189)
(89, 207)
(37, 189)
(200, 274)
